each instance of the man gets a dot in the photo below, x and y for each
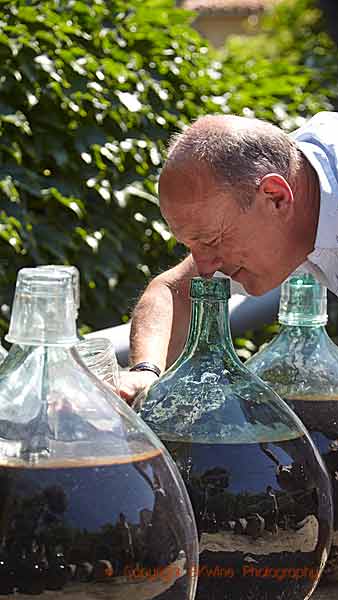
(248, 201)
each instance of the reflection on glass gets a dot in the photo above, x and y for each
(258, 514)
(99, 356)
(259, 489)
(91, 504)
(111, 523)
(301, 364)
(3, 354)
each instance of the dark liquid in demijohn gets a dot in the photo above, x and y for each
(320, 417)
(261, 519)
(112, 529)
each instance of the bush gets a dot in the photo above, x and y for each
(90, 93)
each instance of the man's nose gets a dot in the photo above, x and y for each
(206, 265)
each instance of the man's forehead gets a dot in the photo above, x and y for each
(190, 222)
(193, 176)
(191, 194)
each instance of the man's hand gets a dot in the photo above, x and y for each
(135, 382)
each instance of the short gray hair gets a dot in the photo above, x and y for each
(238, 157)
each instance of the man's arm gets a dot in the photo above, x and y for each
(161, 318)
(159, 325)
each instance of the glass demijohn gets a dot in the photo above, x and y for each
(3, 353)
(100, 358)
(91, 505)
(259, 489)
(75, 275)
(301, 364)
(98, 353)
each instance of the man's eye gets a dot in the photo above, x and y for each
(212, 243)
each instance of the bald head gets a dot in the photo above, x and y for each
(237, 151)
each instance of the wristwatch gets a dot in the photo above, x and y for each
(146, 366)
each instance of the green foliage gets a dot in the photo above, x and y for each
(90, 93)
(287, 73)
(294, 65)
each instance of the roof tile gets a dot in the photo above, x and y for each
(228, 6)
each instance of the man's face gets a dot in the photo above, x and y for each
(251, 246)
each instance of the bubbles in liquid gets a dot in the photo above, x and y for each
(219, 413)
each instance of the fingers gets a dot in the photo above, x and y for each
(134, 382)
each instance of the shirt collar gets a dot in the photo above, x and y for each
(327, 230)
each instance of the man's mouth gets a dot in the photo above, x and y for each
(234, 273)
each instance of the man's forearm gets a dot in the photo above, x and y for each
(159, 325)
(161, 318)
(151, 326)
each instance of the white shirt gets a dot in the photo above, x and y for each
(318, 141)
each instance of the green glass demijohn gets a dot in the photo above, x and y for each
(91, 504)
(259, 489)
(301, 364)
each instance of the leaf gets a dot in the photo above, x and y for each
(90, 93)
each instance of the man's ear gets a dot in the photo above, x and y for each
(275, 191)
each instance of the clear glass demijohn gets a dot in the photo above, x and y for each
(301, 364)
(91, 504)
(16, 349)
(3, 354)
(99, 355)
(97, 352)
(259, 489)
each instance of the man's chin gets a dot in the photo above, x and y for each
(252, 285)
